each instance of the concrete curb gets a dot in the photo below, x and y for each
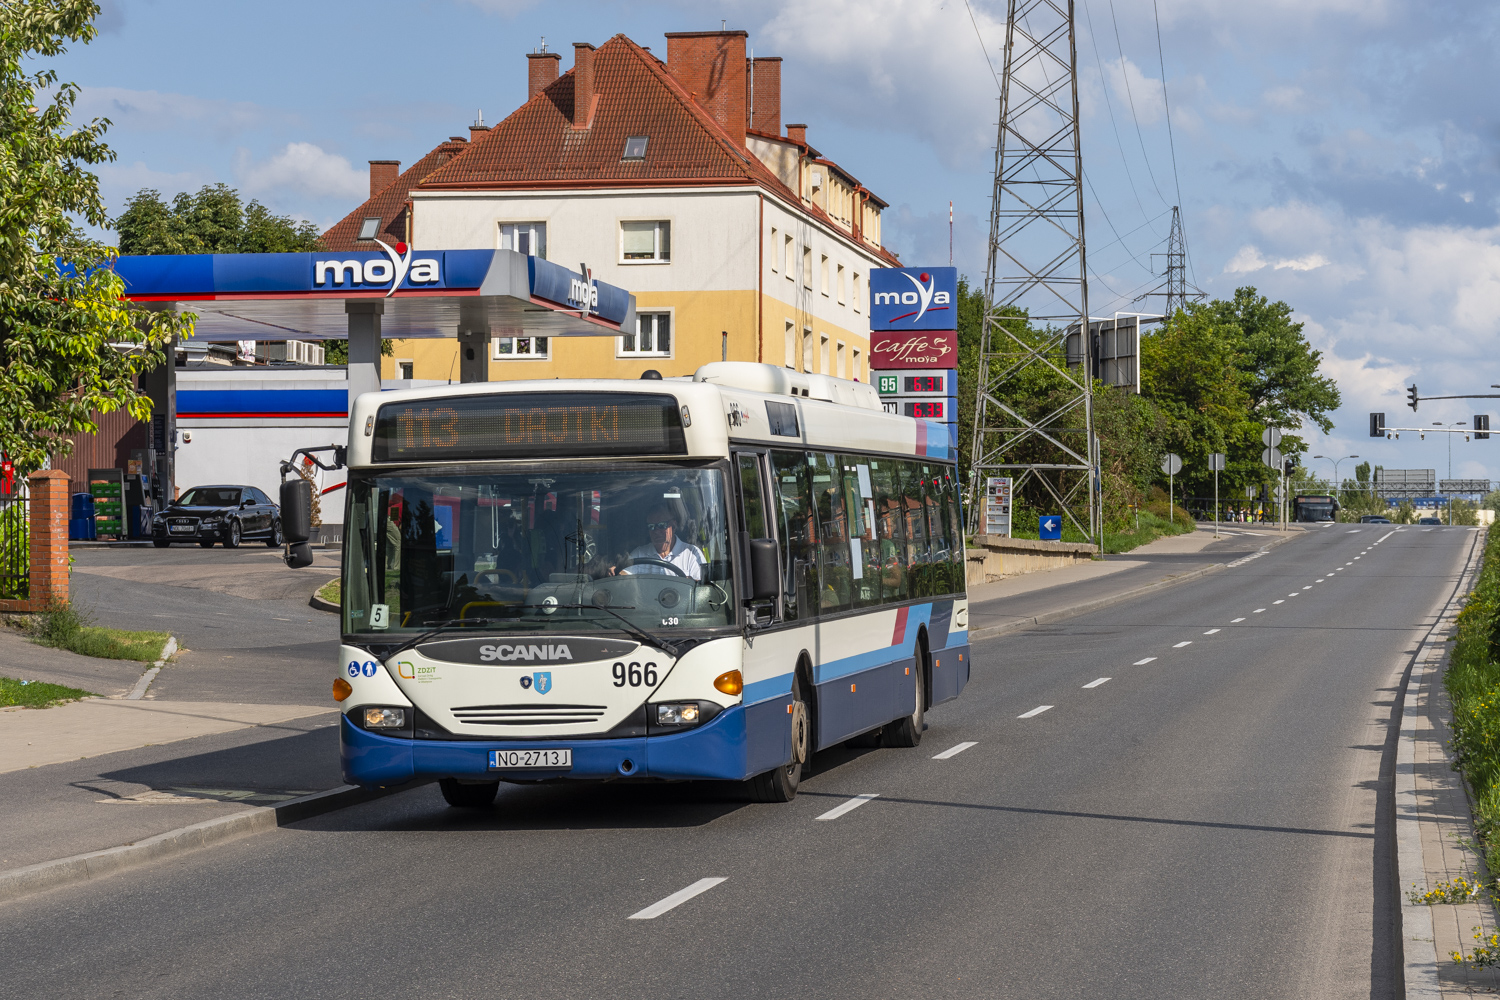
(20, 882)
(318, 604)
(168, 650)
(1418, 939)
(1120, 598)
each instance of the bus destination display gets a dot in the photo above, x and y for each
(528, 425)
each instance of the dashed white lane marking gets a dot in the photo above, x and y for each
(1211, 631)
(1359, 557)
(1259, 610)
(1278, 602)
(1355, 531)
(849, 806)
(1237, 620)
(1294, 593)
(678, 898)
(1185, 642)
(1308, 587)
(1094, 684)
(954, 751)
(1029, 715)
(1142, 663)
(1315, 581)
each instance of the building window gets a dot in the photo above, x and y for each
(652, 337)
(807, 348)
(775, 251)
(369, 229)
(841, 284)
(823, 353)
(404, 369)
(635, 148)
(791, 345)
(856, 374)
(520, 349)
(807, 276)
(645, 242)
(840, 353)
(856, 291)
(823, 274)
(790, 248)
(529, 238)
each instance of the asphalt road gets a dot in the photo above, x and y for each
(1211, 820)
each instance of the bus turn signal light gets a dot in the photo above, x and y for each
(730, 682)
(341, 689)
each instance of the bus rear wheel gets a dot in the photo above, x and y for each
(461, 795)
(908, 731)
(780, 784)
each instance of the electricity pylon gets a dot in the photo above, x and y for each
(1034, 413)
(1176, 289)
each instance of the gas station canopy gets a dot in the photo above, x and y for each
(417, 293)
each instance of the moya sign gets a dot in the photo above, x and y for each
(914, 298)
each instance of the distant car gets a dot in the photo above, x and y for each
(227, 514)
(1374, 519)
(1429, 520)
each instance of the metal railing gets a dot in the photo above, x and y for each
(15, 547)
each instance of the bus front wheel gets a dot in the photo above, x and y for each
(780, 784)
(461, 795)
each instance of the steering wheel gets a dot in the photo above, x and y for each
(651, 561)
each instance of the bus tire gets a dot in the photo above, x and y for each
(461, 795)
(780, 783)
(907, 732)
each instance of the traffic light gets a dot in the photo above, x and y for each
(1287, 465)
(1377, 425)
(1481, 427)
(1412, 392)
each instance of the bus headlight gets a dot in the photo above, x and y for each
(385, 718)
(684, 713)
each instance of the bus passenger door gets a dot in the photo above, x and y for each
(754, 522)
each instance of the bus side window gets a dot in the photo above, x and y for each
(916, 530)
(833, 533)
(864, 548)
(799, 534)
(752, 503)
(890, 539)
(937, 531)
(956, 535)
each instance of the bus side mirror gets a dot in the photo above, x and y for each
(765, 572)
(298, 555)
(296, 511)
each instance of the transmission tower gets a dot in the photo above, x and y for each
(1175, 288)
(1034, 412)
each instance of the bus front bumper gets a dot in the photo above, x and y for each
(712, 751)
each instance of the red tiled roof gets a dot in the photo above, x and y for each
(390, 203)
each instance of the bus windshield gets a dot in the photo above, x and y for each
(538, 549)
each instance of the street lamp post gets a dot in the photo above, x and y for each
(1456, 423)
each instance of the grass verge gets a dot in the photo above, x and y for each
(330, 592)
(1473, 683)
(37, 694)
(71, 627)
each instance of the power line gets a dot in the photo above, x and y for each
(1131, 98)
(1104, 86)
(1118, 238)
(982, 47)
(1161, 61)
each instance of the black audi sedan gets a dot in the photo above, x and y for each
(227, 514)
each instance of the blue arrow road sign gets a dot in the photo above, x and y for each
(1050, 528)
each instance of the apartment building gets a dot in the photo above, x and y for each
(673, 179)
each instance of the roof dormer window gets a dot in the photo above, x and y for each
(635, 148)
(369, 229)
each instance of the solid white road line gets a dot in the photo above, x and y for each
(954, 751)
(1142, 663)
(676, 899)
(1187, 642)
(1094, 684)
(1034, 712)
(849, 806)
(1237, 620)
(1211, 631)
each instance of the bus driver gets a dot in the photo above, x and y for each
(666, 547)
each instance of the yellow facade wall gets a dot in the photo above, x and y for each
(699, 320)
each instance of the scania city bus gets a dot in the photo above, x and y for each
(705, 578)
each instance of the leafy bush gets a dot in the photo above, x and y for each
(15, 551)
(1473, 683)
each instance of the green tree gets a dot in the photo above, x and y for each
(1280, 367)
(62, 317)
(211, 221)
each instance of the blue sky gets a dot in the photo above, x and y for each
(1342, 155)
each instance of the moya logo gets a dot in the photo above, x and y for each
(925, 297)
(520, 652)
(393, 270)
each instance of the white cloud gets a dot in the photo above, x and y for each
(1247, 259)
(302, 168)
(153, 110)
(1310, 262)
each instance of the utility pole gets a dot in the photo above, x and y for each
(1036, 265)
(1176, 289)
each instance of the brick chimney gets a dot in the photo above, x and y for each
(711, 65)
(797, 134)
(583, 84)
(541, 70)
(765, 103)
(478, 129)
(382, 174)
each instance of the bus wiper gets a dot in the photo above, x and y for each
(631, 628)
(439, 628)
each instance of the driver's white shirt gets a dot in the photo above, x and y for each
(688, 558)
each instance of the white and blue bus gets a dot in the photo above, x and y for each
(705, 578)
